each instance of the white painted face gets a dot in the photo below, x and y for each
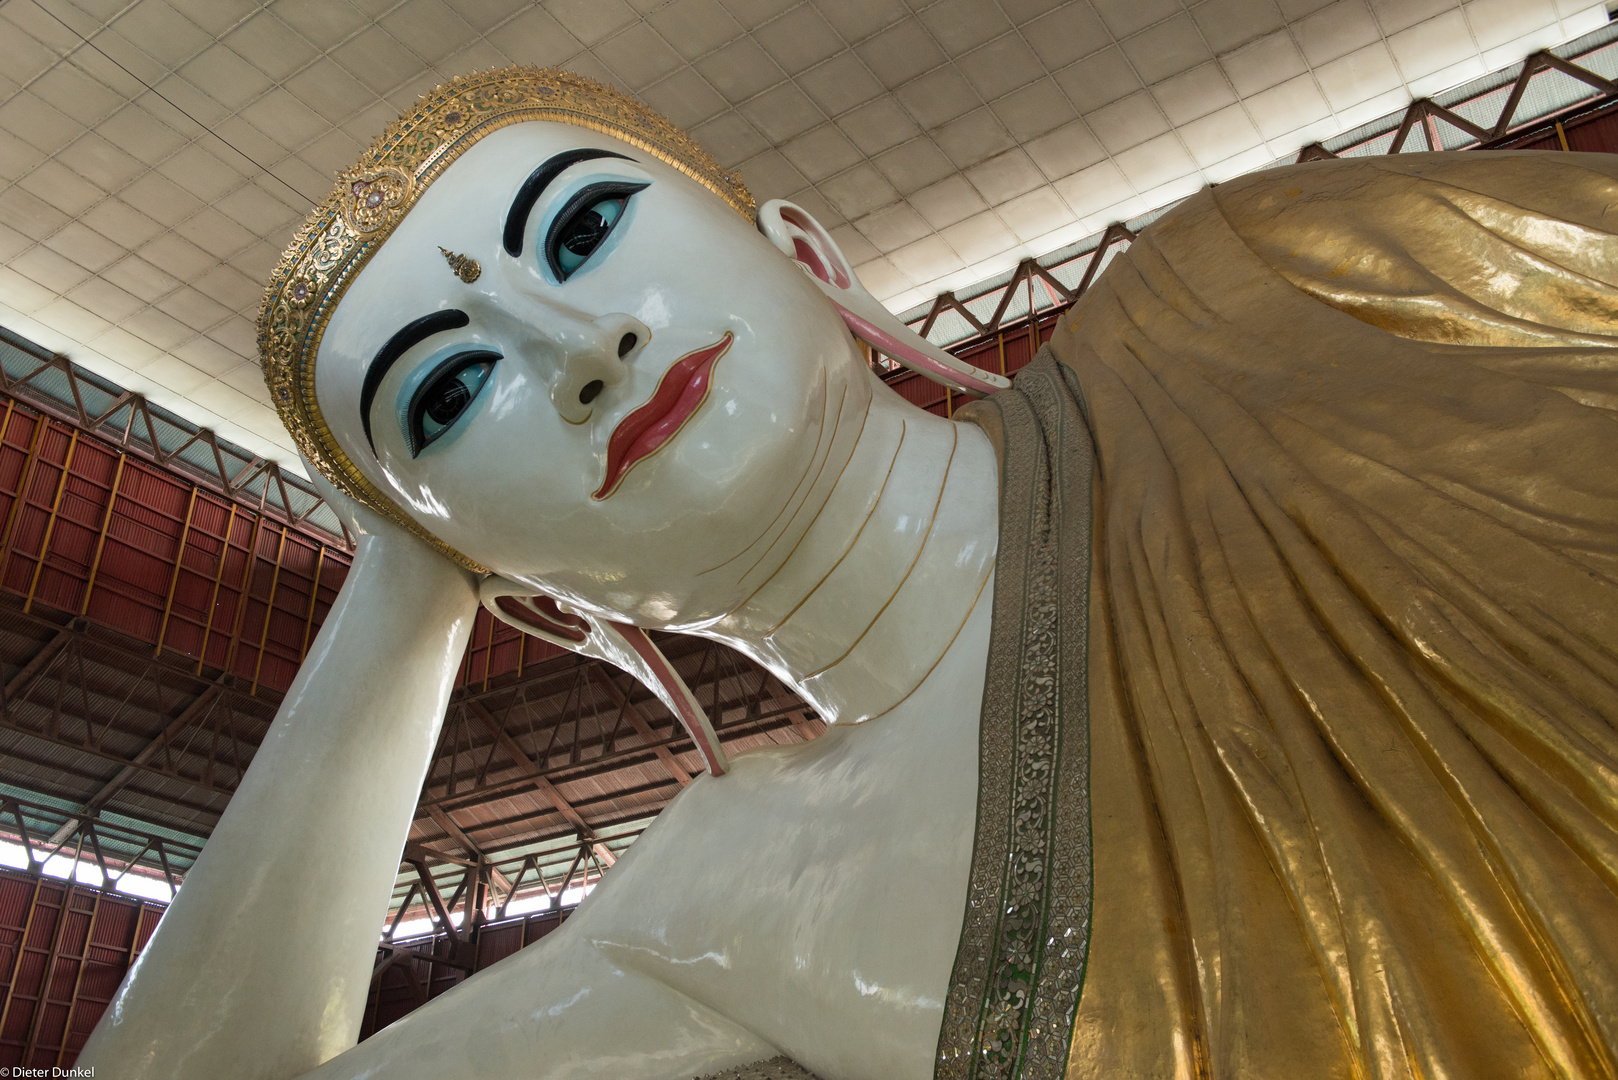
(622, 399)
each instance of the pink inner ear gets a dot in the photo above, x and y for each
(833, 274)
(810, 258)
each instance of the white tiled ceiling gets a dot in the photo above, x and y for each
(149, 178)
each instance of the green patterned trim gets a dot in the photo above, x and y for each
(1020, 967)
(776, 1068)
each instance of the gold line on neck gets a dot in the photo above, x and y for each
(825, 389)
(966, 618)
(948, 465)
(824, 502)
(830, 443)
(903, 427)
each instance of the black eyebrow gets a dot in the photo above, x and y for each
(412, 334)
(537, 182)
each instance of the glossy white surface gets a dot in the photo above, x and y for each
(810, 901)
(796, 457)
(512, 485)
(259, 969)
(812, 898)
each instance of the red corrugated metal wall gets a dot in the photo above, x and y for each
(214, 580)
(93, 531)
(497, 649)
(64, 949)
(413, 979)
(1597, 134)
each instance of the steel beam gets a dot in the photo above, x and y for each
(447, 823)
(545, 787)
(19, 684)
(638, 721)
(188, 715)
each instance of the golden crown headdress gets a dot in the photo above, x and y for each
(370, 200)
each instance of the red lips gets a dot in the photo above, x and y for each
(681, 391)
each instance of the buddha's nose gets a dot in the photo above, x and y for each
(593, 358)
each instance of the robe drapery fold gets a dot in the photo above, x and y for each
(1352, 627)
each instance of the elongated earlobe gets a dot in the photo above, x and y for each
(619, 644)
(800, 238)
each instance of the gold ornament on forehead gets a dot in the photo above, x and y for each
(370, 200)
(466, 268)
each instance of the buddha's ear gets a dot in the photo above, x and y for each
(801, 238)
(619, 644)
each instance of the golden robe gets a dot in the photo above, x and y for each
(1354, 626)
(1298, 756)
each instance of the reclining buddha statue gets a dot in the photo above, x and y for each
(1233, 695)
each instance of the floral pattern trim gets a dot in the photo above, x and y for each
(1019, 969)
(776, 1068)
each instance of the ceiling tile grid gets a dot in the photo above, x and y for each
(156, 155)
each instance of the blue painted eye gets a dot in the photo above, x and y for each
(584, 224)
(445, 395)
(584, 232)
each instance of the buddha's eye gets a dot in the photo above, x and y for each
(445, 394)
(584, 223)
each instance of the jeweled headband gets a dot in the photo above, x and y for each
(370, 200)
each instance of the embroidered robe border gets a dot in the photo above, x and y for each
(1020, 965)
(776, 1068)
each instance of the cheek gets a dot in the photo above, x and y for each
(506, 471)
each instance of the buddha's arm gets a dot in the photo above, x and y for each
(558, 1010)
(260, 967)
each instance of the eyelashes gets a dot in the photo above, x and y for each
(445, 394)
(584, 223)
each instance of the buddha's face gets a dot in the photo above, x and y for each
(621, 400)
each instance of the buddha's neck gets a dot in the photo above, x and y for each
(890, 541)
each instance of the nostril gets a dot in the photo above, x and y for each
(626, 343)
(591, 389)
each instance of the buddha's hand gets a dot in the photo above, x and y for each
(399, 548)
(358, 519)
